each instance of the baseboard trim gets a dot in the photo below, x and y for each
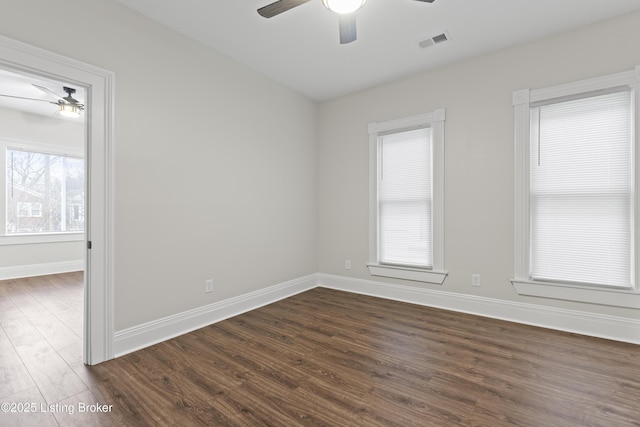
(31, 270)
(591, 324)
(141, 336)
(596, 325)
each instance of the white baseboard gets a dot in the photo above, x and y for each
(596, 325)
(20, 271)
(147, 334)
(609, 327)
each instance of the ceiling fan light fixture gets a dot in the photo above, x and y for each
(343, 7)
(68, 110)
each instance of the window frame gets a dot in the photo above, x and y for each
(522, 281)
(437, 273)
(33, 238)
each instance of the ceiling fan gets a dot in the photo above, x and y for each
(68, 106)
(345, 9)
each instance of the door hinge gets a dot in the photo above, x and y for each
(88, 244)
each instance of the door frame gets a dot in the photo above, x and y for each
(99, 154)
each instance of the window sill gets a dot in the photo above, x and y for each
(407, 273)
(611, 297)
(32, 239)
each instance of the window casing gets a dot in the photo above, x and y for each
(406, 200)
(576, 191)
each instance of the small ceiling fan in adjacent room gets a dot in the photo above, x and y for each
(345, 9)
(68, 106)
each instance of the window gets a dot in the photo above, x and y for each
(575, 193)
(44, 192)
(29, 210)
(406, 198)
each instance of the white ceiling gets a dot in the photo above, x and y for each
(16, 84)
(300, 48)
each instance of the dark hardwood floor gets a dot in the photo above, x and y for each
(323, 357)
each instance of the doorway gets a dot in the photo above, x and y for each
(97, 83)
(42, 216)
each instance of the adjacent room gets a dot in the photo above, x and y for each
(406, 213)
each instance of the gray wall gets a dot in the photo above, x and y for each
(479, 155)
(223, 187)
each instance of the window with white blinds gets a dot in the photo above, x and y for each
(581, 196)
(576, 190)
(405, 199)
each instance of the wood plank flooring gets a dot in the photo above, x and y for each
(40, 344)
(320, 358)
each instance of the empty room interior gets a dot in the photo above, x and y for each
(264, 213)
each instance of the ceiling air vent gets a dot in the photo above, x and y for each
(437, 39)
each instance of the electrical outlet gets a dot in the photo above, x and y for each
(347, 264)
(475, 280)
(208, 286)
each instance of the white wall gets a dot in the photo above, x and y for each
(18, 259)
(25, 127)
(215, 164)
(479, 155)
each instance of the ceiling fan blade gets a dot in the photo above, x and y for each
(347, 25)
(427, 1)
(52, 93)
(276, 8)
(28, 99)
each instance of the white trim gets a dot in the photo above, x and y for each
(20, 271)
(147, 334)
(521, 97)
(416, 274)
(99, 123)
(435, 120)
(612, 297)
(626, 78)
(41, 147)
(407, 122)
(150, 333)
(438, 190)
(580, 322)
(34, 239)
(635, 182)
(521, 184)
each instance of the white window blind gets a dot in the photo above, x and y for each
(405, 199)
(581, 190)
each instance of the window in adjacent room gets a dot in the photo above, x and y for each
(406, 200)
(575, 196)
(44, 192)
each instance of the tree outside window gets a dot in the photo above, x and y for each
(45, 193)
